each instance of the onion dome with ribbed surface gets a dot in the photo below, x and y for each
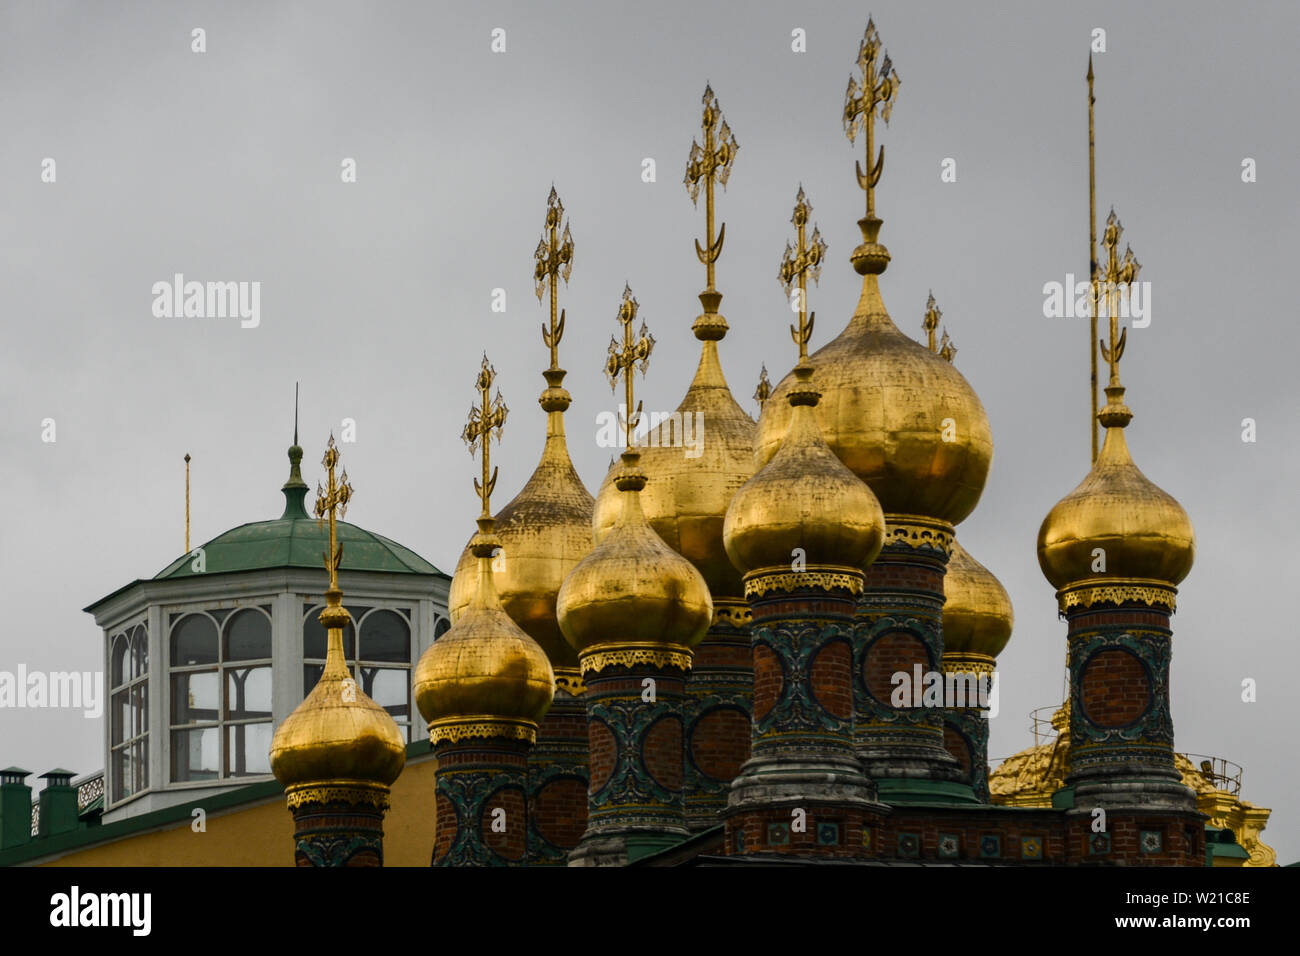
(544, 531)
(696, 460)
(977, 613)
(804, 501)
(337, 734)
(900, 417)
(633, 591)
(1116, 515)
(485, 668)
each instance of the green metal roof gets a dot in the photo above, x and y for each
(296, 540)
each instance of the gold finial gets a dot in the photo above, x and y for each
(187, 502)
(930, 323)
(1117, 275)
(800, 261)
(1092, 264)
(334, 497)
(554, 257)
(623, 357)
(485, 419)
(708, 164)
(764, 390)
(878, 88)
(947, 351)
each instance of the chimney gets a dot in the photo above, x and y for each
(15, 808)
(58, 812)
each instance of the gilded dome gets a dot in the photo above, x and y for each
(337, 733)
(691, 484)
(804, 498)
(545, 531)
(485, 666)
(977, 613)
(632, 588)
(1143, 531)
(900, 417)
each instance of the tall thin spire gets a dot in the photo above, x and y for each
(295, 413)
(187, 502)
(708, 164)
(1092, 263)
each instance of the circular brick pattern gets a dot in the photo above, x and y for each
(890, 654)
(720, 742)
(662, 752)
(603, 752)
(1115, 688)
(832, 679)
(559, 811)
(503, 822)
(768, 680)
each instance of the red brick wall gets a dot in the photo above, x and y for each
(889, 654)
(1115, 688)
(720, 742)
(955, 744)
(602, 753)
(767, 680)
(559, 811)
(832, 679)
(512, 841)
(447, 826)
(662, 752)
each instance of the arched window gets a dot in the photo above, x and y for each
(383, 667)
(440, 628)
(129, 711)
(220, 694)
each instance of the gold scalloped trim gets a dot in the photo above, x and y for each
(1152, 595)
(916, 532)
(632, 655)
(359, 793)
(570, 681)
(458, 729)
(981, 664)
(733, 613)
(766, 580)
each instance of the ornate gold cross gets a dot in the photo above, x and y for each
(799, 262)
(877, 90)
(554, 257)
(1116, 273)
(623, 357)
(708, 163)
(334, 497)
(485, 419)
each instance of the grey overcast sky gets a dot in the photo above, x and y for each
(376, 295)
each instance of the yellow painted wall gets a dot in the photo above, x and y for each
(261, 834)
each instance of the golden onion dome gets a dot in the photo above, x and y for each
(692, 482)
(337, 734)
(485, 667)
(545, 531)
(633, 590)
(804, 501)
(977, 613)
(900, 417)
(1117, 515)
